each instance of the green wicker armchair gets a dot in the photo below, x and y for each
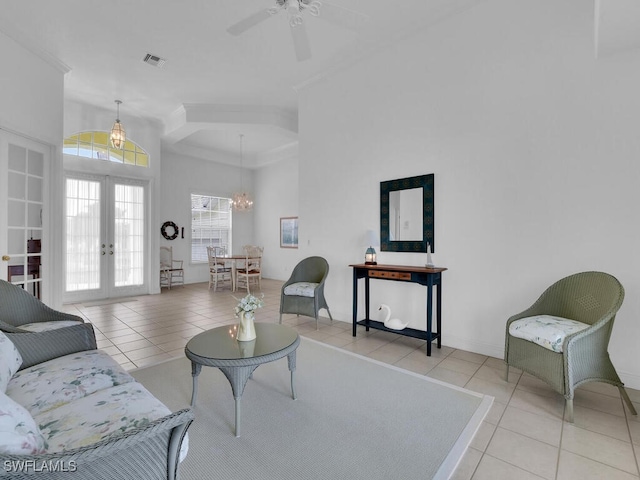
(303, 293)
(592, 298)
(18, 308)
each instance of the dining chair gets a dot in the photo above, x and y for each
(251, 269)
(171, 271)
(219, 270)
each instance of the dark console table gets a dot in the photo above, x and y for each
(429, 277)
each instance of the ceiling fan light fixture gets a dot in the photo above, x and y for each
(313, 7)
(118, 136)
(295, 15)
(295, 9)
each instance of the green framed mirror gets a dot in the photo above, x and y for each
(406, 214)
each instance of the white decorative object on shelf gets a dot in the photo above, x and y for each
(393, 323)
(430, 263)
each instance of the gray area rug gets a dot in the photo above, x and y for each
(354, 418)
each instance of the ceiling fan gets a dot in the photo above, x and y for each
(297, 9)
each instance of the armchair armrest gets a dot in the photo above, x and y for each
(50, 316)
(150, 451)
(6, 328)
(55, 315)
(38, 347)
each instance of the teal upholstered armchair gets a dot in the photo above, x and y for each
(303, 293)
(562, 338)
(22, 312)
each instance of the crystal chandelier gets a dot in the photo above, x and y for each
(118, 135)
(241, 201)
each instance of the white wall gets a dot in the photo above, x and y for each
(31, 95)
(31, 99)
(276, 197)
(182, 176)
(275, 192)
(534, 144)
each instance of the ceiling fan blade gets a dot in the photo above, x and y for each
(301, 42)
(252, 20)
(342, 16)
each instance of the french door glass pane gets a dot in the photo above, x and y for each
(83, 235)
(24, 216)
(129, 235)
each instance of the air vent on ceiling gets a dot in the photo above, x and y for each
(154, 60)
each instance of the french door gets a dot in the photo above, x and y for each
(105, 225)
(24, 166)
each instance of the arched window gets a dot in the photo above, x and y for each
(96, 145)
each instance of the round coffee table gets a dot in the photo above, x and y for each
(219, 348)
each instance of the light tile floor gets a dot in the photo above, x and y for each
(523, 437)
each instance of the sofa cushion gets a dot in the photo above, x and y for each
(546, 330)
(95, 417)
(10, 361)
(53, 383)
(45, 326)
(301, 289)
(19, 434)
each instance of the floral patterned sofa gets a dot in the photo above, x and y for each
(69, 411)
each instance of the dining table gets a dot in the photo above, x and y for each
(234, 260)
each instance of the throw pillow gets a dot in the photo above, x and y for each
(19, 434)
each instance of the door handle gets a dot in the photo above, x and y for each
(6, 258)
(111, 252)
(103, 252)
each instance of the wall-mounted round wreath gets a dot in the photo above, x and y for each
(166, 235)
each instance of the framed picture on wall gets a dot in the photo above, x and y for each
(288, 232)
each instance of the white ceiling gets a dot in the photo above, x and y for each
(213, 86)
(617, 26)
(102, 44)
